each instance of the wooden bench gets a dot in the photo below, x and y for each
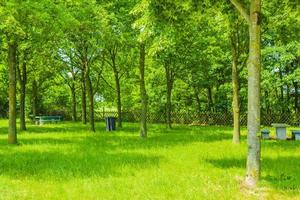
(39, 120)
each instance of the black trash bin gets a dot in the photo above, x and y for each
(110, 123)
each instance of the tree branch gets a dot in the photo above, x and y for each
(241, 9)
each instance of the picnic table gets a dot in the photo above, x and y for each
(39, 120)
(280, 130)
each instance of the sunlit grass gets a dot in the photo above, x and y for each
(66, 161)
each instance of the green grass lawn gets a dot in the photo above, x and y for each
(65, 161)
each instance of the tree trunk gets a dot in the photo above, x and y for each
(34, 99)
(22, 76)
(119, 103)
(12, 131)
(91, 102)
(254, 68)
(170, 80)
(74, 111)
(143, 93)
(235, 96)
(296, 101)
(83, 97)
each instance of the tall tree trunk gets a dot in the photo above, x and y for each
(119, 102)
(34, 99)
(12, 62)
(74, 111)
(235, 95)
(143, 93)
(254, 68)
(22, 76)
(83, 97)
(113, 53)
(170, 81)
(296, 101)
(91, 102)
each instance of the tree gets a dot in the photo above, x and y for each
(238, 43)
(254, 67)
(12, 63)
(12, 31)
(143, 93)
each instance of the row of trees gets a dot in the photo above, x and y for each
(80, 56)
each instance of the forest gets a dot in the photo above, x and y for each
(191, 52)
(203, 63)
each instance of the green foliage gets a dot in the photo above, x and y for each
(192, 38)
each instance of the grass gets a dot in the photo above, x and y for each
(65, 161)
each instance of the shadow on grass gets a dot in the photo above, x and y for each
(158, 138)
(280, 144)
(125, 138)
(98, 154)
(58, 165)
(3, 130)
(282, 173)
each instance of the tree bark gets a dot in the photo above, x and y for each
(22, 76)
(143, 93)
(91, 102)
(113, 53)
(119, 102)
(235, 95)
(34, 99)
(254, 68)
(89, 86)
(83, 96)
(12, 64)
(74, 110)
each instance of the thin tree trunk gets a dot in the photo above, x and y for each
(235, 95)
(254, 68)
(12, 62)
(22, 76)
(83, 97)
(143, 93)
(91, 103)
(113, 52)
(74, 111)
(34, 99)
(119, 102)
